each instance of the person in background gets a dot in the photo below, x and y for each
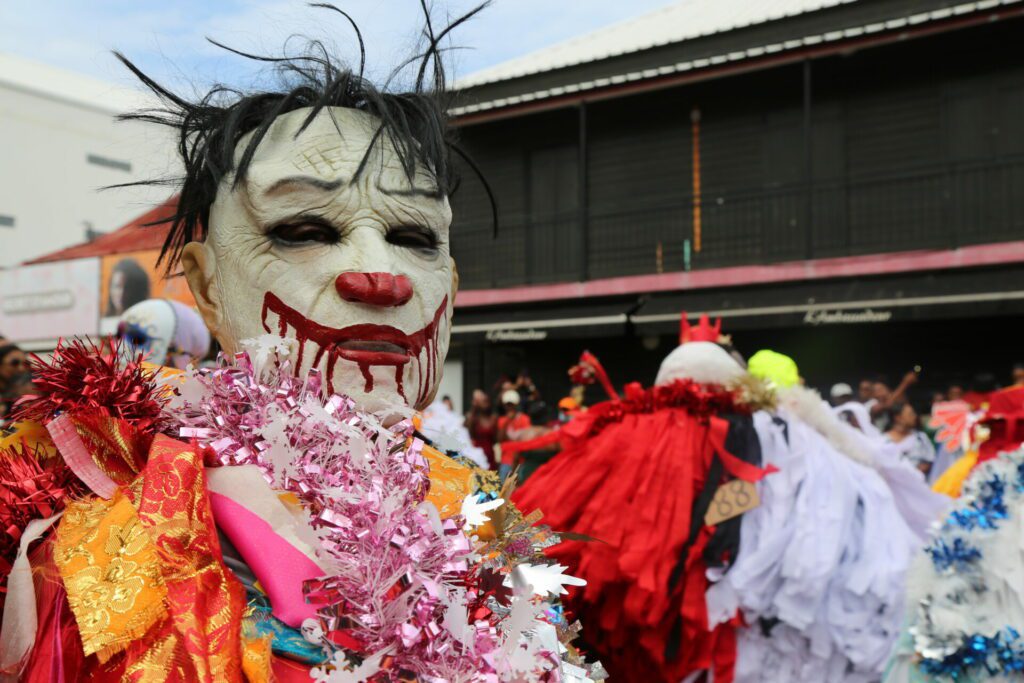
(955, 392)
(840, 393)
(15, 377)
(535, 407)
(567, 409)
(906, 437)
(1018, 374)
(447, 401)
(885, 398)
(512, 420)
(865, 391)
(847, 408)
(482, 424)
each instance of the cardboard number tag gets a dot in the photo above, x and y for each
(731, 500)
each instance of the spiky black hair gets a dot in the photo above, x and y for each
(415, 121)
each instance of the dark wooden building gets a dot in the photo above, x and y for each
(841, 181)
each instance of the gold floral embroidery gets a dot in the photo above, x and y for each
(111, 573)
(145, 566)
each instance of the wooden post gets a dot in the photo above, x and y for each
(695, 133)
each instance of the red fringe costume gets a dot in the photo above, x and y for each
(629, 476)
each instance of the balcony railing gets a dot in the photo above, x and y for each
(933, 208)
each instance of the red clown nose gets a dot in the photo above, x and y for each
(375, 289)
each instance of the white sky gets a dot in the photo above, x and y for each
(166, 37)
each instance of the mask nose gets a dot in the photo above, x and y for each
(375, 289)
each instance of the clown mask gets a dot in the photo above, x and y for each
(352, 264)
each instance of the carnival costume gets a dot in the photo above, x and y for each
(811, 586)
(979, 430)
(636, 475)
(966, 590)
(349, 551)
(819, 578)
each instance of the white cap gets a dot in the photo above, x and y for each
(840, 390)
(510, 396)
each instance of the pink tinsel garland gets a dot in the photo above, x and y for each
(402, 583)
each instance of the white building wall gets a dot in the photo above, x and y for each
(51, 123)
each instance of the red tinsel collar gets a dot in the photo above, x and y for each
(700, 400)
(87, 377)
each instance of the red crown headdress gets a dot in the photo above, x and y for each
(703, 332)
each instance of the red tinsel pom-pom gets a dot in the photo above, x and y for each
(84, 376)
(33, 485)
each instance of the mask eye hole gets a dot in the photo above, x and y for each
(132, 335)
(413, 237)
(304, 232)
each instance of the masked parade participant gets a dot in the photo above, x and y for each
(807, 585)
(965, 592)
(279, 515)
(819, 576)
(167, 332)
(635, 480)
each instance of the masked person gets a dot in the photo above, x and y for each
(167, 332)
(279, 516)
(636, 474)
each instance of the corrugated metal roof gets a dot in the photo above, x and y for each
(897, 23)
(677, 22)
(135, 236)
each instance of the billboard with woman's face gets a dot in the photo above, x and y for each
(126, 279)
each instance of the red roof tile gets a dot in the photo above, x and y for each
(135, 236)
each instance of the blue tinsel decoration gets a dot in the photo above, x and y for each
(1003, 653)
(985, 512)
(959, 554)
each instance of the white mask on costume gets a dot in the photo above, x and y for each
(357, 271)
(702, 362)
(147, 328)
(167, 332)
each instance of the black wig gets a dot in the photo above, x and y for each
(415, 122)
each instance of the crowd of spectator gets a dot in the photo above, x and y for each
(898, 414)
(902, 419)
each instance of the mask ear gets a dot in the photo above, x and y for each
(199, 265)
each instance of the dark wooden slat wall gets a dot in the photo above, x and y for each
(913, 146)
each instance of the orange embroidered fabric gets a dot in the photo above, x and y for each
(257, 660)
(144, 574)
(189, 602)
(450, 482)
(111, 573)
